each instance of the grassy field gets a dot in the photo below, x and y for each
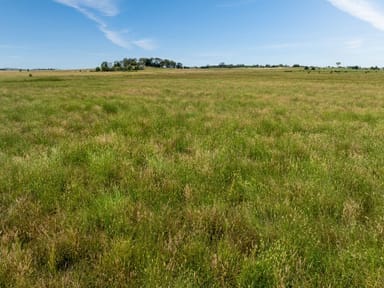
(198, 178)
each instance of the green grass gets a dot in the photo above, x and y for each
(217, 178)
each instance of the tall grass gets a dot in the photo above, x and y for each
(229, 178)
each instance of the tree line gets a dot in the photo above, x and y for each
(134, 64)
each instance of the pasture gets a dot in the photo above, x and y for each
(192, 178)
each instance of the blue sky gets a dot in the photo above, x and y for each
(83, 33)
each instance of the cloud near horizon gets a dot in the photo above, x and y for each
(95, 9)
(367, 10)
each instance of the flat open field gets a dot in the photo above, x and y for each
(198, 178)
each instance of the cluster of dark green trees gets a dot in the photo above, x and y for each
(161, 63)
(134, 64)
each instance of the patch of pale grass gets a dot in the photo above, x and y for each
(106, 139)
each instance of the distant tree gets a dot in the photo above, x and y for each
(104, 66)
(98, 69)
(143, 61)
(126, 63)
(156, 62)
(338, 64)
(166, 63)
(117, 66)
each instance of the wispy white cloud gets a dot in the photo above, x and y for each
(146, 44)
(367, 10)
(94, 10)
(106, 7)
(115, 37)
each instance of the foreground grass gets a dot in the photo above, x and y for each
(230, 178)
